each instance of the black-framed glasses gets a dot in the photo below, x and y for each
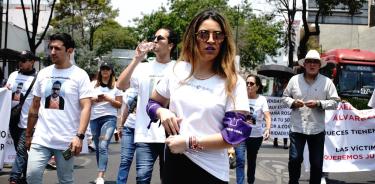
(158, 38)
(204, 35)
(250, 83)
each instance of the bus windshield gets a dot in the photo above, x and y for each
(356, 80)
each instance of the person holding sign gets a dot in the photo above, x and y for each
(259, 109)
(308, 94)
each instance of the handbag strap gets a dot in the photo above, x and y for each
(28, 90)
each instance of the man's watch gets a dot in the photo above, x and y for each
(80, 136)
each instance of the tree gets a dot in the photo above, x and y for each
(262, 36)
(290, 7)
(33, 34)
(83, 15)
(241, 18)
(111, 35)
(325, 8)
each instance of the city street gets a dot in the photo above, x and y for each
(271, 169)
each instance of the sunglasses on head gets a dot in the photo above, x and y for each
(158, 38)
(204, 36)
(250, 83)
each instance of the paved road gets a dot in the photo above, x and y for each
(271, 169)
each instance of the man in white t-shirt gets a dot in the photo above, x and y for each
(19, 82)
(149, 138)
(58, 131)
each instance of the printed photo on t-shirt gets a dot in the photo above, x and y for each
(55, 100)
(17, 94)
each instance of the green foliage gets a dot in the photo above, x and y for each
(262, 38)
(111, 35)
(82, 18)
(97, 33)
(257, 36)
(178, 16)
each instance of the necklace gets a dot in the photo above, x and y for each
(203, 77)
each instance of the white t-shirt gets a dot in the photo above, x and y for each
(144, 79)
(371, 103)
(202, 104)
(128, 98)
(258, 106)
(19, 84)
(59, 114)
(104, 108)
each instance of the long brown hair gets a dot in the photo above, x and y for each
(111, 81)
(224, 63)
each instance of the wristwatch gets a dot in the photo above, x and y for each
(80, 136)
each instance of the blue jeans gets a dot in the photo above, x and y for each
(102, 129)
(20, 163)
(315, 144)
(127, 154)
(38, 158)
(251, 145)
(146, 155)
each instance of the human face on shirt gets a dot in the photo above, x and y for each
(209, 46)
(311, 67)
(252, 86)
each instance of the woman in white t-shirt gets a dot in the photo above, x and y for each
(104, 115)
(207, 104)
(259, 110)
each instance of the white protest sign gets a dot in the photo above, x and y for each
(280, 117)
(5, 104)
(350, 140)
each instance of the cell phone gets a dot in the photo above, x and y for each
(67, 154)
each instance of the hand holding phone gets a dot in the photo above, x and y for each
(67, 154)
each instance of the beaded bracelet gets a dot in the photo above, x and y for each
(194, 143)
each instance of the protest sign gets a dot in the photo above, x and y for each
(5, 103)
(280, 117)
(349, 139)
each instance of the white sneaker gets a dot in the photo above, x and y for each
(99, 181)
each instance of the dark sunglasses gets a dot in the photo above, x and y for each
(105, 68)
(204, 36)
(24, 60)
(312, 61)
(55, 89)
(158, 38)
(250, 83)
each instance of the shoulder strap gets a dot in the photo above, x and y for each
(28, 90)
